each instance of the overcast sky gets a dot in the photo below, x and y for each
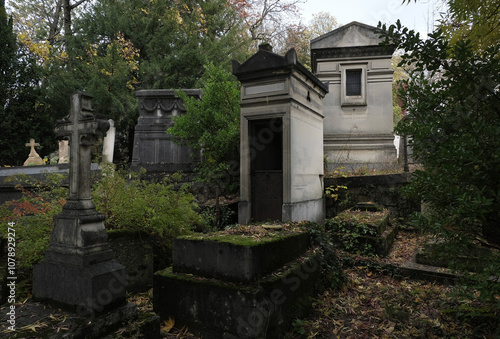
(418, 16)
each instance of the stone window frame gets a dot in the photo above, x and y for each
(353, 100)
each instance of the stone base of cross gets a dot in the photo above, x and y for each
(79, 272)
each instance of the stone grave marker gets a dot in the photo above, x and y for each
(33, 158)
(108, 144)
(155, 150)
(63, 152)
(79, 272)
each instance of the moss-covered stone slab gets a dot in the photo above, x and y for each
(218, 309)
(375, 222)
(436, 253)
(237, 258)
(363, 231)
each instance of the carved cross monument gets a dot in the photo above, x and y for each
(32, 145)
(79, 272)
(33, 158)
(82, 130)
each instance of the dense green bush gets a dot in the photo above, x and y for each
(452, 97)
(32, 216)
(157, 208)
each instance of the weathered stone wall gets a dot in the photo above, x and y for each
(384, 190)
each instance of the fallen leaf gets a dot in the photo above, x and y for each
(168, 324)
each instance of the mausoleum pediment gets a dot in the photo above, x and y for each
(354, 34)
(265, 59)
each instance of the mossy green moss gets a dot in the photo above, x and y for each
(363, 217)
(239, 239)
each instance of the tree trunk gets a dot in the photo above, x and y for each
(54, 26)
(67, 21)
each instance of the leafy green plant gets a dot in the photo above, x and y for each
(332, 275)
(217, 222)
(333, 192)
(212, 126)
(158, 208)
(32, 216)
(352, 228)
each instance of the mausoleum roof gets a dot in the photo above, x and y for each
(354, 34)
(354, 40)
(265, 62)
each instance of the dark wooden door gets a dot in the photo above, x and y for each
(266, 169)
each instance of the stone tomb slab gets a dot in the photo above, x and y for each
(218, 309)
(237, 259)
(364, 228)
(436, 253)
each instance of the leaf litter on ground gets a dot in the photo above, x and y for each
(375, 305)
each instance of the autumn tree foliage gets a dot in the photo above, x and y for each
(110, 48)
(298, 36)
(265, 18)
(22, 114)
(474, 20)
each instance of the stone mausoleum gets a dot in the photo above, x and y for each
(154, 149)
(281, 151)
(358, 124)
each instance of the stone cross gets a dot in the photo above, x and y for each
(32, 144)
(33, 158)
(79, 272)
(82, 129)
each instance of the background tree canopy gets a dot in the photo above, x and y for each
(110, 48)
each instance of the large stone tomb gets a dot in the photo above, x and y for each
(222, 287)
(281, 155)
(154, 149)
(358, 125)
(78, 272)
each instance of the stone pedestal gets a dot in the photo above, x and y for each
(108, 144)
(223, 288)
(78, 272)
(63, 152)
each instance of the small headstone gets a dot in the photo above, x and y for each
(33, 158)
(63, 152)
(108, 146)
